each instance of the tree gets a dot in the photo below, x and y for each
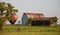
(6, 11)
(29, 21)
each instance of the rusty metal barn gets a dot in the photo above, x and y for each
(38, 19)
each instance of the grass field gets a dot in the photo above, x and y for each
(30, 30)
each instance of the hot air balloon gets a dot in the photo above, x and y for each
(14, 18)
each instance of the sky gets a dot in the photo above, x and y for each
(49, 8)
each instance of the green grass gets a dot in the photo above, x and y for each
(30, 30)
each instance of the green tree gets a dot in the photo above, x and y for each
(29, 21)
(6, 11)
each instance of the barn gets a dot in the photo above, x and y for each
(38, 19)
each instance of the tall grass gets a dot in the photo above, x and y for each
(34, 30)
(31, 28)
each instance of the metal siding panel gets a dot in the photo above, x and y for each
(24, 20)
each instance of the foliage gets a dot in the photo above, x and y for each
(55, 19)
(6, 11)
(29, 21)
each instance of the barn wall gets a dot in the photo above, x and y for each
(24, 19)
(53, 24)
(41, 23)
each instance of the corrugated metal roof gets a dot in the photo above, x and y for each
(34, 15)
(45, 18)
(37, 16)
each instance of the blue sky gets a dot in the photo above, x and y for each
(49, 8)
